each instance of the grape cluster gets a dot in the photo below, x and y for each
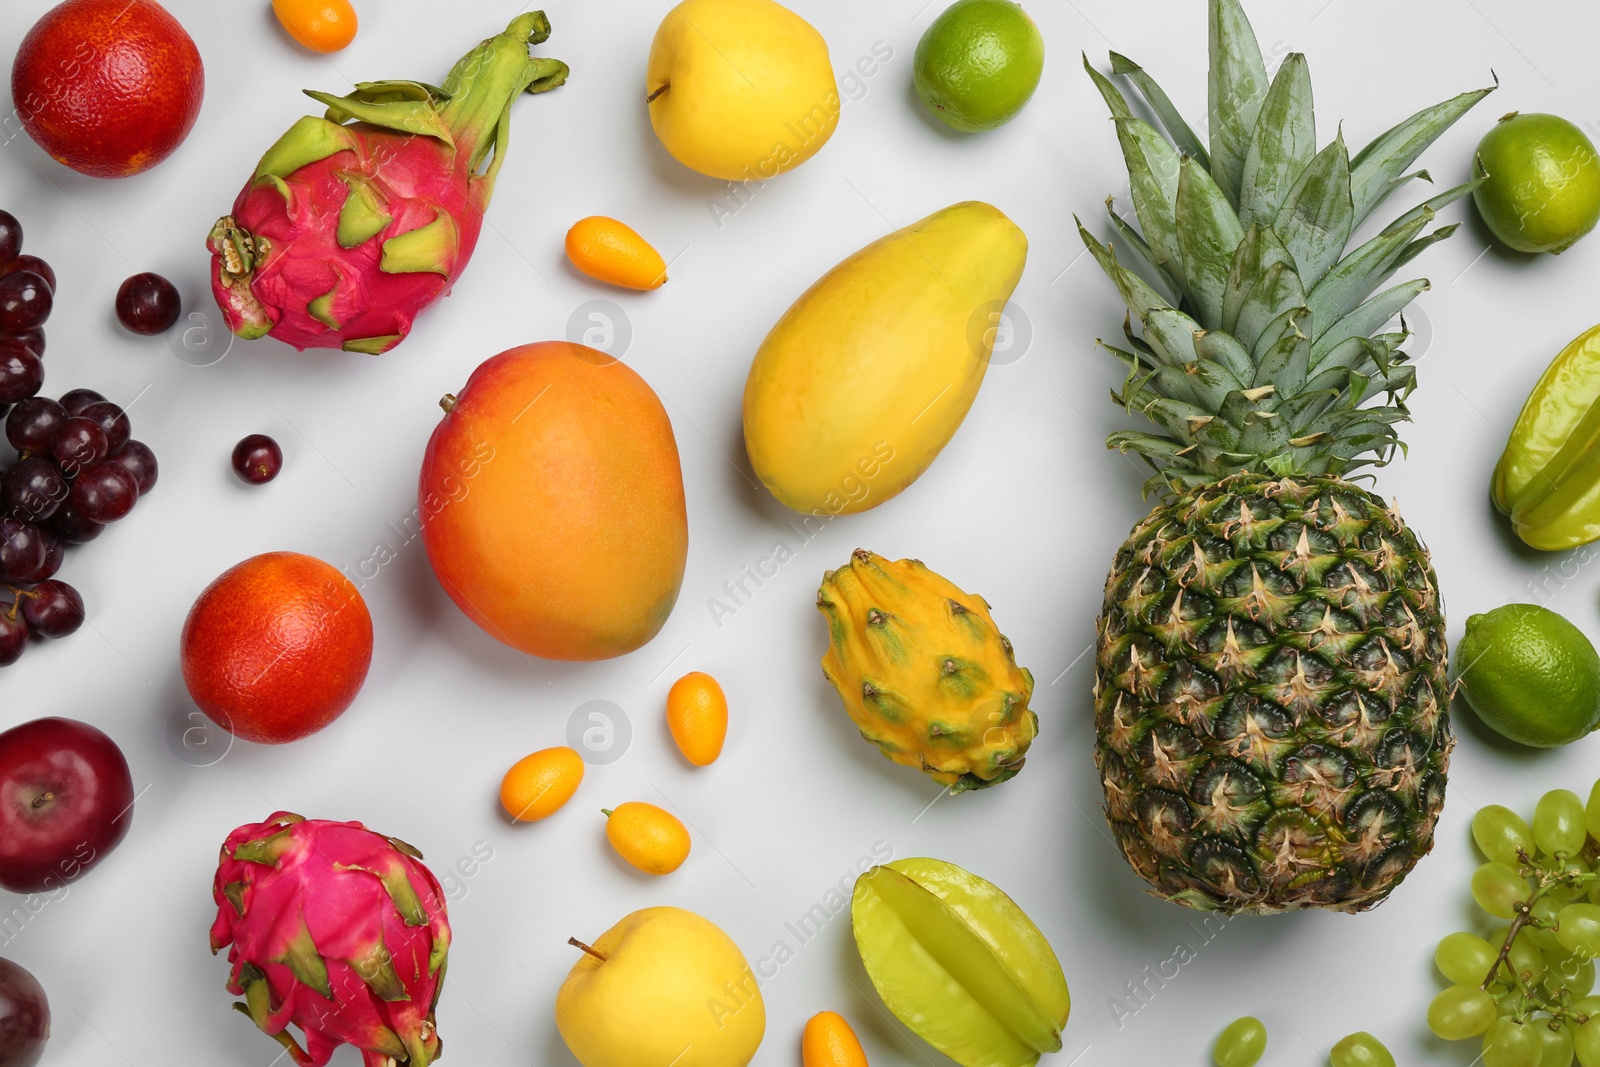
(77, 468)
(1526, 988)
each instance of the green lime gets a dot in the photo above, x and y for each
(979, 63)
(1530, 674)
(1543, 191)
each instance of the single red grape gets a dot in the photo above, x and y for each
(25, 301)
(13, 637)
(23, 549)
(21, 372)
(48, 565)
(112, 420)
(140, 462)
(52, 609)
(75, 400)
(10, 237)
(54, 557)
(80, 443)
(71, 527)
(32, 489)
(148, 304)
(33, 424)
(105, 492)
(257, 459)
(33, 339)
(35, 264)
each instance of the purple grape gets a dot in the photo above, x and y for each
(52, 609)
(257, 459)
(148, 304)
(48, 565)
(21, 372)
(33, 424)
(54, 557)
(34, 264)
(32, 489)
(71, 527)
(13, 637)
(25, 301)
(140, 462)
(33, 339)
(112, 420)
(75, 400)
(105, 492)
(23, 549)
(80, 443)
(10, 237)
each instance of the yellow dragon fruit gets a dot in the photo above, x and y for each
(924, 673)
(338, 930)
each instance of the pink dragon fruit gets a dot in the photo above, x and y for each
(338, 930)
(348, 229)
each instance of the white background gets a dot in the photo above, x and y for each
(1025, 507)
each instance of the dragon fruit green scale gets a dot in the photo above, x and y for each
(357, 220)
(337, 930)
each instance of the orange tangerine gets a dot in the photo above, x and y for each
(828, 1041)
(697, 715)
(321, 25)
(612, 252)
(538, 785)
(651, 839)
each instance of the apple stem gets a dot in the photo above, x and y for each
(42, 799)
(575, 943)
(448, 402)
(652, 97)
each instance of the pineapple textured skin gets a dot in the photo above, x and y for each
(1271, 697)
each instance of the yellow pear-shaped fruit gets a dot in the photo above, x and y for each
(868, 376)
(740, 89)
(663, 986)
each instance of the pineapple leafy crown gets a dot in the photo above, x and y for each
(1256, 347)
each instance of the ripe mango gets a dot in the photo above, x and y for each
(869, 374)
(553, 503)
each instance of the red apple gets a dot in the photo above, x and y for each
(66, 799)
(24, 1017)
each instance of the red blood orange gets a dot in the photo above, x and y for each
(108, 87)
(277, 647)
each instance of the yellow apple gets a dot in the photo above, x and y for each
(663, 986)
(740, 89)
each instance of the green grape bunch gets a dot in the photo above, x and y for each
(1527, 987)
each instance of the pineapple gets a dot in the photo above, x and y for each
(1270, 689)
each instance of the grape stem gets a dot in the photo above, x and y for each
(1524, 918)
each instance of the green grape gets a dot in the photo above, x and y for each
(1558, 823)
(1571, 971)
(1591, 812)
(1461, 1012)
(1544, 910)
(1526, 960)
(1464, 958)
(1498, 889)
(1360, 1049)
(1508, 999)
(1585, 1006)
(1500, 832)
(1578, 929)
(1586, 1042)
(1557, 1040)
(1593, 892)
(1241, 1043)
(1509, 1043)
